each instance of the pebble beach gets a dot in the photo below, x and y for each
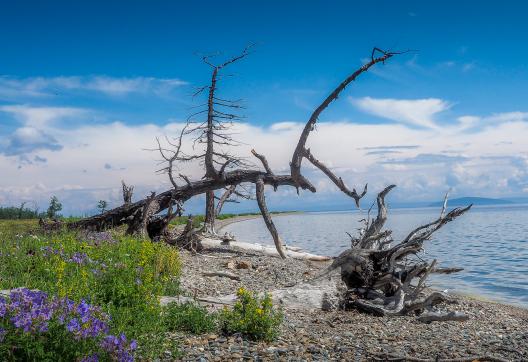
(494, 332)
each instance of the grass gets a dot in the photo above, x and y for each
(189, 317)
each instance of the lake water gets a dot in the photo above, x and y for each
(490, 242)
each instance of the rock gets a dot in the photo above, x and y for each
(242, 264)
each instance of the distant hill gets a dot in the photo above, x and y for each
(464, 201)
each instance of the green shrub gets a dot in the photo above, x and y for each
(252, 316)
(189, 317)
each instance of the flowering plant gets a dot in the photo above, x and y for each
(253, 316)
(35, 327)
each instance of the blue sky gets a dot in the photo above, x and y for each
(85, 87)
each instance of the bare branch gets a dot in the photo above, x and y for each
(336, 180)
(300, 150)
(261, 200)
(224, 198)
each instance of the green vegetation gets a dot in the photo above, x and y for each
(19, 213)
(54, 207)
(112, 284)
(122, 276)
(253, 316)
(102, 205)
(189, 317)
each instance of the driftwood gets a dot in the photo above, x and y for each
(51, 225)
(382, 277)
(222, 275)
(385, 279)
(293, 252)
(428, 317)
(137, 214)
(188, 239)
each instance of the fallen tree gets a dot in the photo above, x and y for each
(140, 214)
(381, 278)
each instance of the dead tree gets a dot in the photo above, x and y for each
(215, 133)
(231, 171)
(387, 279)
(127, 192)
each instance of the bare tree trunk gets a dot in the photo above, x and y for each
(209, 222)
(141, 218)
(261, 200)
(188, 239)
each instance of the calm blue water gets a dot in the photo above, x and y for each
(491, 243)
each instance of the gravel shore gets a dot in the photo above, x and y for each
(495, 330)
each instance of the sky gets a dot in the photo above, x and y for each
(86, 87)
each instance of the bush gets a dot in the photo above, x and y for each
(252, 316)
(189, 317)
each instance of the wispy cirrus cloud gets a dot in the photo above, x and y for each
(41, 116)
(412, 112)
(426, 159)
(16, 87)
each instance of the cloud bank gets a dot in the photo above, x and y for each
(87, 163)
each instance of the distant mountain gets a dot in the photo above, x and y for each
(464, 201)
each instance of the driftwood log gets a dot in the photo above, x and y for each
(386, 278)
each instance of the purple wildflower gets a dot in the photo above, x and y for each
(31, 311)
(73, 325)
(3, 307)
(79, 258)
(91, 358)
(119, 347)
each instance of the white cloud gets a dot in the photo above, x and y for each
(467, 163)
(475, 122)
(26, 140)
(415, 112)
(121, 86)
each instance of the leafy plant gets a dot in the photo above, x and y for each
(253, 316)
(102, 205)
(189, 317)
(54, 207)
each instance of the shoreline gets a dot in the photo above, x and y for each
(479, 297)
(220, 224)
(493, 329)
